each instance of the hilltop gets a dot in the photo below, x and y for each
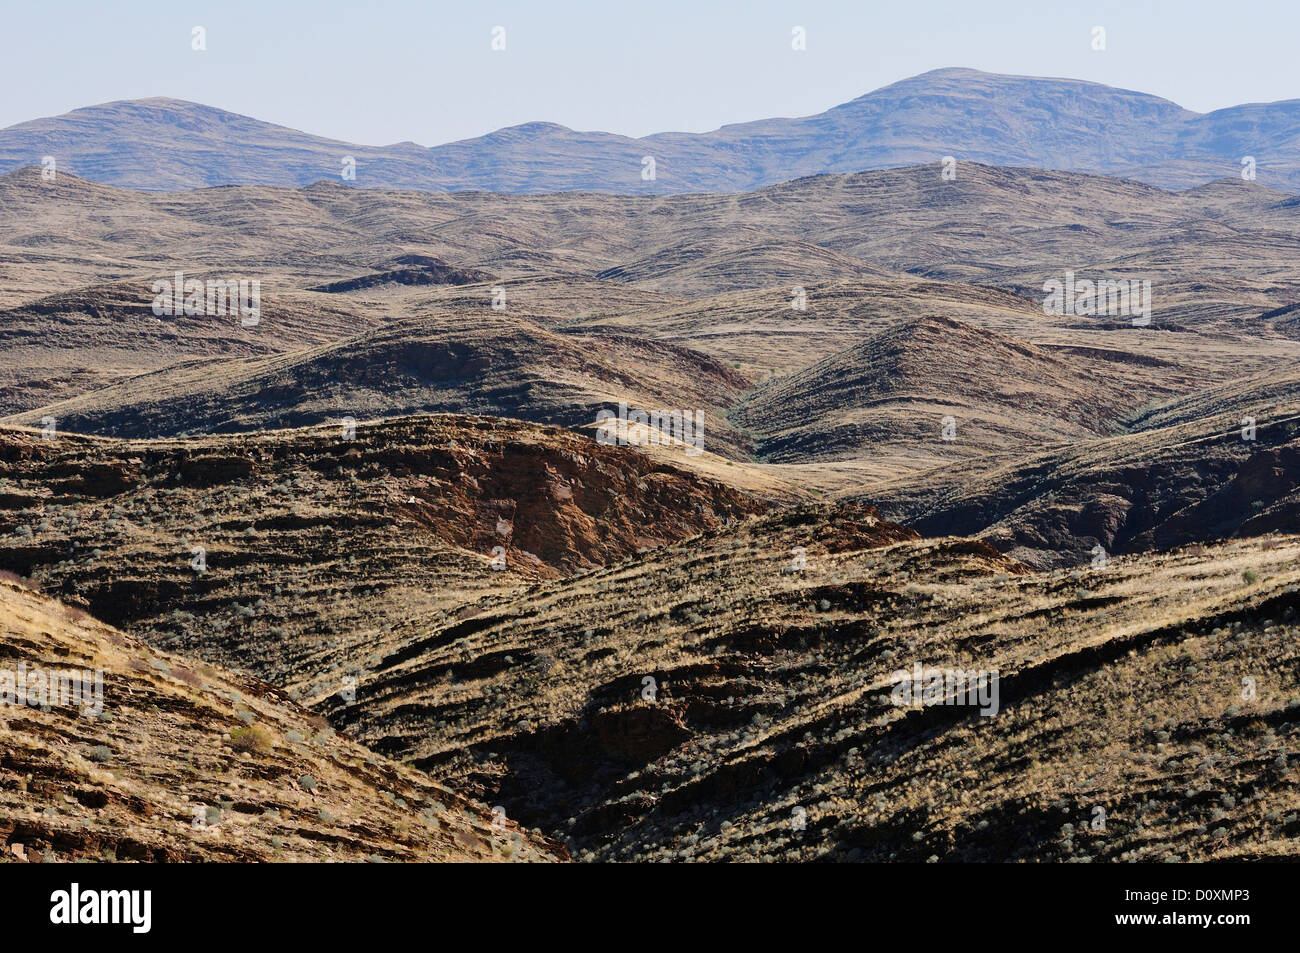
(975, 116)
(890, 394)
(485, 364)
(1224, 463)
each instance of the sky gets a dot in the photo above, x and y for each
(381, 72)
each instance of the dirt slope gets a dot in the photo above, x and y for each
(180, 761)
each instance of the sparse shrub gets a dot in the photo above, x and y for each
(188, 677)
(252, 739)
(15, 579)
(74, 613)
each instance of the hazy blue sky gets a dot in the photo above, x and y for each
(379, 72)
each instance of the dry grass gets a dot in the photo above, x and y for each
(152, 779)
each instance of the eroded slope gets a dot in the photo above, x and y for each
(184, 762)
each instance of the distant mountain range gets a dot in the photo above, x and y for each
(1071, 125)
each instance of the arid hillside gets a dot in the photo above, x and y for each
(732, 698)
(76, 342)
(1014, 228)
(175, 760)
(891, 394)
(380, 538)
(294, 554)
(481, 364)
(718, 692)
(1224, 463)
(552, 308)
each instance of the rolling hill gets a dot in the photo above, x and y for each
(402, 519)
(641, 652)
(1189, 471)
(468, 364)
(890, 394)
(976, 117)
(725, 699)
(180, 761)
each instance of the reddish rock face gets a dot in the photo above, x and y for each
(438, 507)
(554, 505)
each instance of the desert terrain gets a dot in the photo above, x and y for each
(371, 573)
